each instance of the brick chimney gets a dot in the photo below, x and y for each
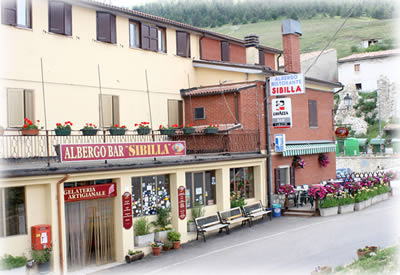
(291, 32)
(251, 42)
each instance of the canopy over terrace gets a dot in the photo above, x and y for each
(308, 149)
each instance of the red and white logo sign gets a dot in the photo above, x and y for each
(291, 84)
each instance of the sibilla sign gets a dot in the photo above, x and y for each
(107, 151)
(182, 202)
(127, 210)
(291, 84)
(90, 192)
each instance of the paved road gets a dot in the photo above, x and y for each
(286, 245)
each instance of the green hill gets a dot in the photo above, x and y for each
(317, 32)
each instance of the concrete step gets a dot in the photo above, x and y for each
(298, 214)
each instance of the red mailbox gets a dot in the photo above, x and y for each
(41, 236)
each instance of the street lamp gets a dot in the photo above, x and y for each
(348, 101)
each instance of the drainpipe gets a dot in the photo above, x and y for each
(268, 143)
(61, 181)
(341, 89)
(279, 56)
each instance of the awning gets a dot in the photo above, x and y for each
(308, 149)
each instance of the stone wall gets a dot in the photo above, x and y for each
(367, 163)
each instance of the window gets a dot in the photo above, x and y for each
(149, 37)
(182, 44)
(149, 193)
(199, 113)
(242, 180)
(109, 105)
(161, 40)
(175, 112)
(312, 113)
(134, 34)
(261, 57)
(12, 211)
(358, 86)
(60, 17)
(356, 67)
(284, 175)
(106, 29)
(225, 51)
(200, 188)
(19, 106)
(16, 13)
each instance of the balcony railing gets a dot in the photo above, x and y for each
(14, 146)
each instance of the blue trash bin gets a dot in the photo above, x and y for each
(276, 209)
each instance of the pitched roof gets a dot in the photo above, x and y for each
(218, 89)
(162, 20)
(369, 55)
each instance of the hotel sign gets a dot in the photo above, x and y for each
(90, 192)
(107, 151)
(291, 84)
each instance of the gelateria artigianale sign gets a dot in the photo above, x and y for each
(108, 151)
(90, 192)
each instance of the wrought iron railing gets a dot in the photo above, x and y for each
(15, 145)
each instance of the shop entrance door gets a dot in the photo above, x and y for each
(90, 232)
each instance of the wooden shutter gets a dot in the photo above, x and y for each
(175, 112)
(225, 51)
(29, 104)
(106, 110)
(153, 36)
(9, 12)
(113, 29)
(115, 110)
(106, 29)
(277, 179)
(261, 57)
(292, 176)
(145, 33)
(56, 17)
(15, 107)
(312, 113)
(182, 44)
(68, 18)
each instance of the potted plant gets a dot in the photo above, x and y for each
(197, 211)
(167, 246)
(143, 128)
(117, 130)
(323, 160)
(29, 128)
(63, 129)
(237, 199)
(89, 129)
(42, 259)
(346, 203)
(286, 190)
(175, 238)
(168, 130)
(16, 263)
(162, 222)
(298, 162)
(211, 129)
(143, 237)
(188, 129)
(361, 252)
(329, 205)
(156, 248)
(134, 256)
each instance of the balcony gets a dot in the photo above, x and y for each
(15, 146)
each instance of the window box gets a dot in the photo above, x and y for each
(210, 130)
(168, 132)
(89, 132)
(143, 131)
(348, 208)
(30, 132)
(117, 132)
(62, 132)
(188, 131)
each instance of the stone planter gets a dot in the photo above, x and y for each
(385, 196)
(29, 132)
(374, 199)
(117, 132)
(62, 132)
(89, 132)
(161, 236)
(368, 202)
(191, 227)
(328, 211)
(135, 257)
(359, 206)
(210, 130)
(348, 208)
(144, 240)
(143, 131)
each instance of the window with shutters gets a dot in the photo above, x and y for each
(183, 44)
(242, 180)
(225, 55)
(199, 113)
(161, 40)
(149, 37)
(134, 34)
(175, 112)
(109, 113)
(60, 17)
(16, 13)
(312, 113)
(19, 106)
(106, 28)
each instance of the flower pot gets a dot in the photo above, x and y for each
(188, 131)
(143, 131)
(191, 227)
(117, 132)
(144, 240)
(135, 257)
(89, 132)
(330, 211)
(62, 132)
(177, 244)
(210, 130)
(161, 236)
(44, 268)
(30, 132)
(367, 250)
(156, 250)
(168, 132)
(348, 208)
(359, 205)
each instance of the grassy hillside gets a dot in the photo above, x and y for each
(316, 32)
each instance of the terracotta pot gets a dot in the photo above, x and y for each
(177, 244)
(30, 132)
(156, 251)
(166, 248)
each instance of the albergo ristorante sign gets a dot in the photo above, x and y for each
(290, 84)
(107, 151)
(90, 192)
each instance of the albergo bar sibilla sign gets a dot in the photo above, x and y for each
(107, 151)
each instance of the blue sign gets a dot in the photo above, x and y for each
(279, 143)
